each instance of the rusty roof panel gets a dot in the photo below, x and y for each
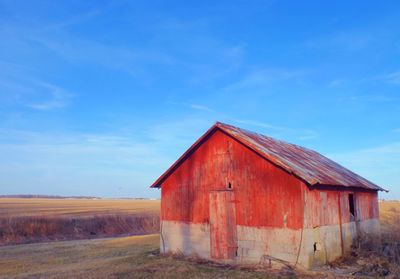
(306, 164)
(312, 167)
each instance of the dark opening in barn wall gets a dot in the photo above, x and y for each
(352, 207)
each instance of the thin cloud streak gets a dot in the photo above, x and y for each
(34, 94)
(69, 163)
(393, 78)
(379, 164)
(345, 40)
(59, 98)
(194, 106)
(200, 107)
(281, 131)
(261, 80)
(73, 163)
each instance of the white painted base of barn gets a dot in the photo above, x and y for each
(268, 245)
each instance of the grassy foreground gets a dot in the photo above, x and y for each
(123, 257)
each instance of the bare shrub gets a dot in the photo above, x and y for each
(376, 256)
(15, 230)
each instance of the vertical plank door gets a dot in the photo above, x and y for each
(222, 225)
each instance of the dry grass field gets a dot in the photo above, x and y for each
(390, 216)
(125, 257)
(29, 220)
(138, 257)
(16, 207)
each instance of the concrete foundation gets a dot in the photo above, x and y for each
(304, 247)
(256, 245)
(185, 238)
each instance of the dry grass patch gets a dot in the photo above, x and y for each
(127, 257)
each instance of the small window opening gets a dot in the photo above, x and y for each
(229, 185)
(351, 207)
(317, 246)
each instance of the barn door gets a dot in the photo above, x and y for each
(222, 225)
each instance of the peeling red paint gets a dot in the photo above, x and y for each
(324, 207)
(264, 195)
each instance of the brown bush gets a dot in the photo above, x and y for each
(375, 256)
(16, 230)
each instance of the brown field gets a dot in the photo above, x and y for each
(29, 220)
(138, 257)
(390, 216)
(15, 207)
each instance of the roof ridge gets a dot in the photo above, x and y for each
(309, 167)
(272, 138)
(306, 164)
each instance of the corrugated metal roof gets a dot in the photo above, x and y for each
(308, 165)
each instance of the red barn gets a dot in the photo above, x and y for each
(241, 197)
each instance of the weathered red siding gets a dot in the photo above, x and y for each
(242, 197)
(367, 205)
(265, 195)
(324, 208)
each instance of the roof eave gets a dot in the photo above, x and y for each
(353, 187)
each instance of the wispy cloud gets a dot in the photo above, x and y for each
(169, 47)
(336, 82)
(393, 78)
(79, 163)
(130, 60)
(73, 163)
(32, 93)
(282, 131)
(262, 124)
(74, 20)
(195, 106)
(308, 135)
(379, 164)
(179, 134)
(56, 40)
(58, 98)
(367, 98)
(345, 40)
(263, 79)
(200, 107)
(23, 86)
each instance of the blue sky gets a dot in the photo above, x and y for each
(100, 97)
